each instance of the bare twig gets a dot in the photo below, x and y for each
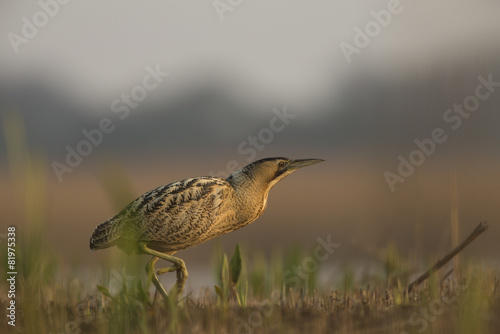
(483, 226)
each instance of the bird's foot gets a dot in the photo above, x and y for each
(162, 271)
(182, 275)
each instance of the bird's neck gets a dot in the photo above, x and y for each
(251, 196)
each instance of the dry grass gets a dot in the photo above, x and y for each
(51, 298)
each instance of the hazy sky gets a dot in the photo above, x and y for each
(283, 50)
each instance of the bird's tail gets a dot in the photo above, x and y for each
(106, 234)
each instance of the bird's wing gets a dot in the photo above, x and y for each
(176, 213)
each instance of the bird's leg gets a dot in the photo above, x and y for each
(162, 271)
(178, 266)
(150, 270)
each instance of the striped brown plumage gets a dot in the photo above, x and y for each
(187, 213)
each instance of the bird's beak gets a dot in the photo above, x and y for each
(296, 164)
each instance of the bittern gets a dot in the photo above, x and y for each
(187, 213)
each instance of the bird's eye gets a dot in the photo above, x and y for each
(281, 164)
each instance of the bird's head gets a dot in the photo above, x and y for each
(268, 172)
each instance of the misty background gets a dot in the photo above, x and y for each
(225, 79)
